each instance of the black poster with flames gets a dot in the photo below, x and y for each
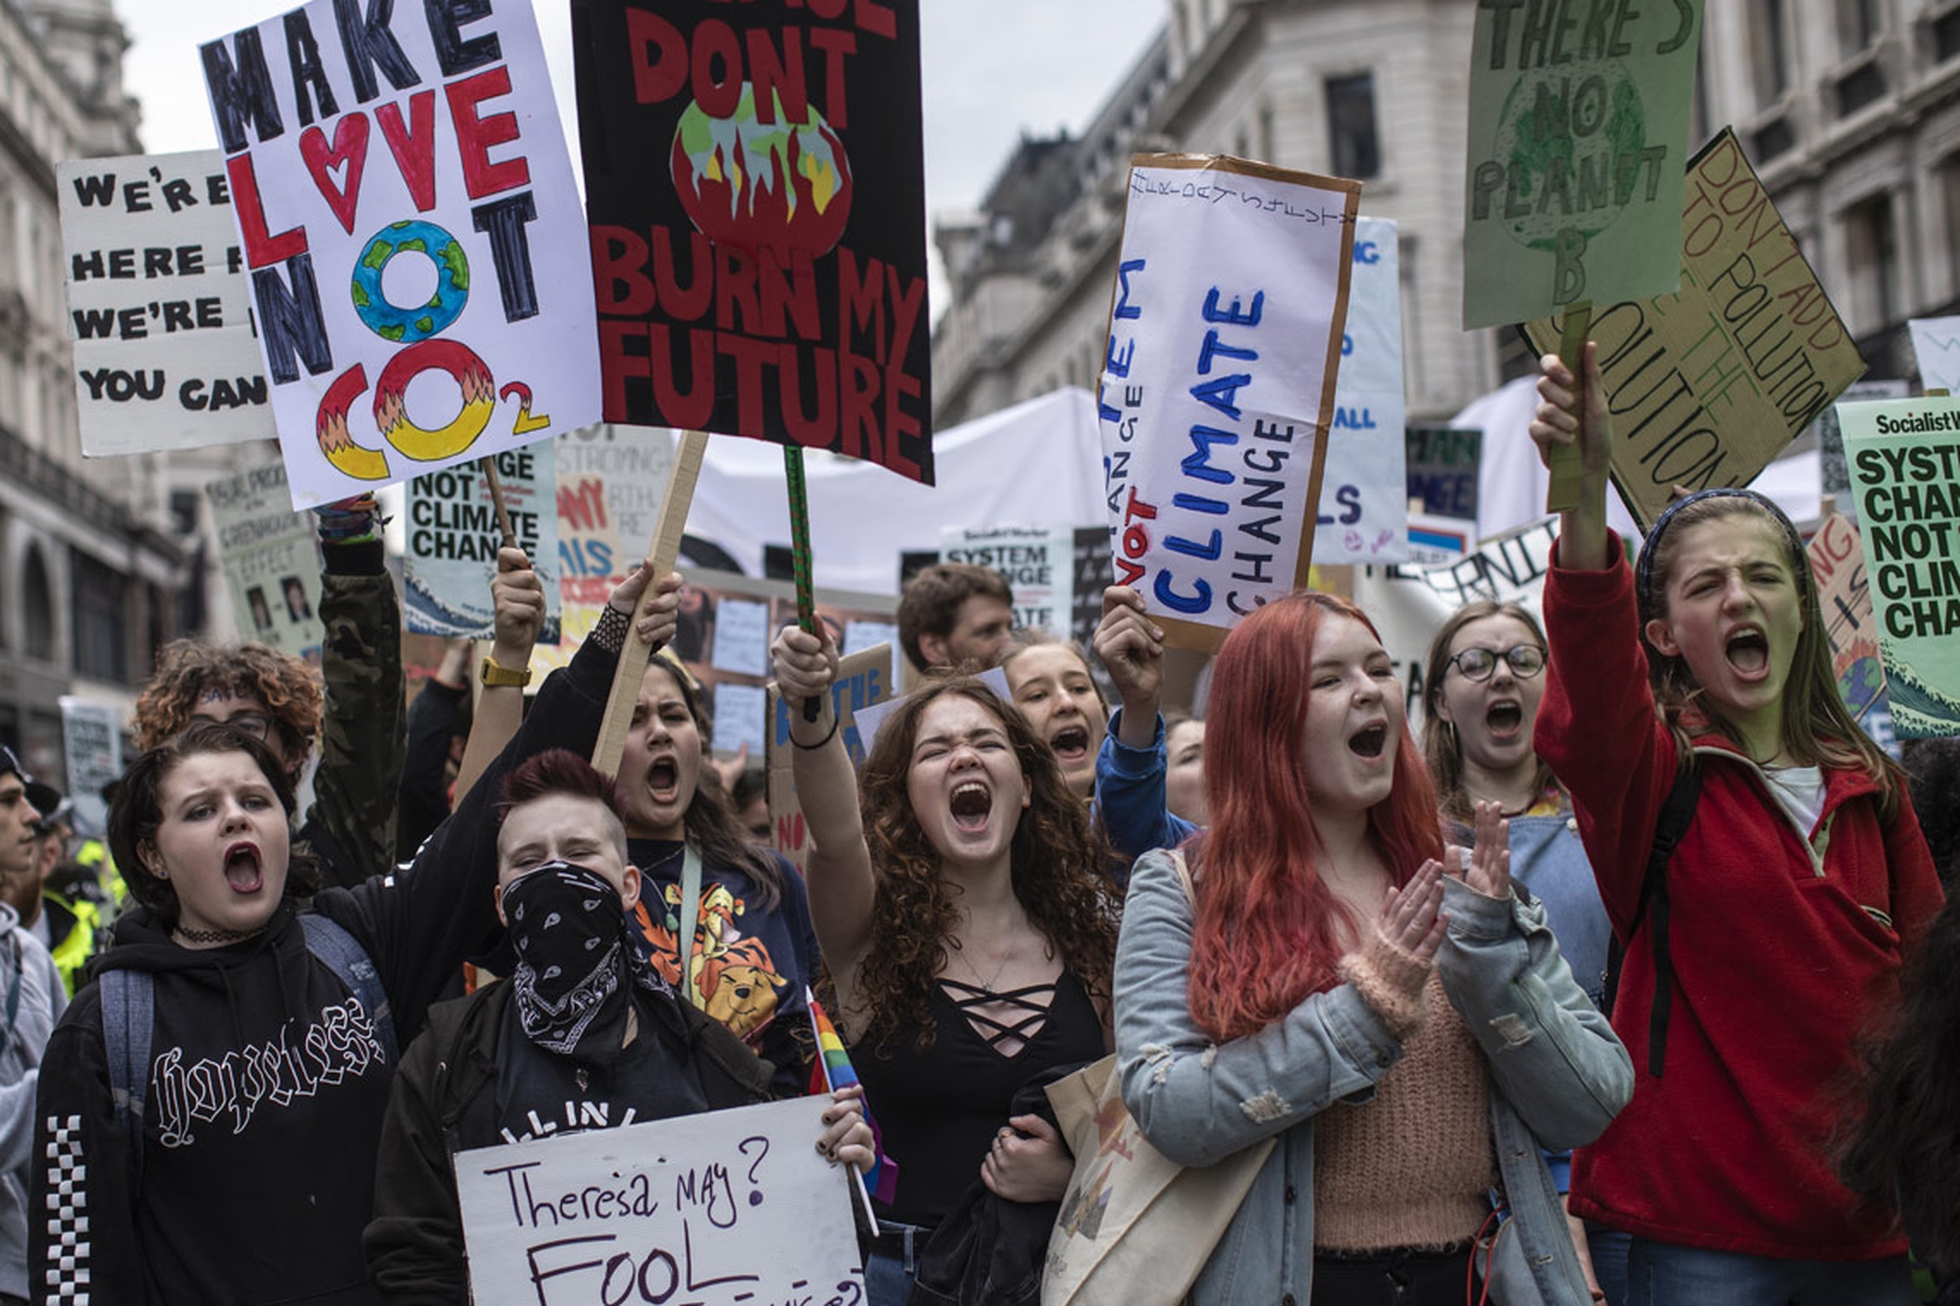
(754, 181)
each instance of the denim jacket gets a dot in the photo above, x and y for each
(1558, 1076)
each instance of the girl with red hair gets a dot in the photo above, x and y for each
(1408, 1037)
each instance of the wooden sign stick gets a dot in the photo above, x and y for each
(1562, 494)
(661, 551)
(489, 465)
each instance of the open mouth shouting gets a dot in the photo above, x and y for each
(972, 803)
(664, 779)
(1747, 651)
(244, 868)
(1369, 742)
(1503, 718)
(1071, 745)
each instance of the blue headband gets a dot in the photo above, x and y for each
(1644, 569)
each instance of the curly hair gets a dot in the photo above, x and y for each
(1057, 858)
(136, 812)
(1904, 1147)
(189, 669)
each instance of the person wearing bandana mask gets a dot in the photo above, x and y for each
(584, 1034)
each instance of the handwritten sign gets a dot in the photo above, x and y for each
(1363, 513)
(1905, 467)
(755, 182)
(1578, 135)
(1217, 389)
(717, 1209)
(271, 564)
(158, 305)
(863, 680)
(91, 746)
(413, 234)
(1037, 563)
(1707, 385)
(1936, 344)
(1442, 470)
(1837, 560)
(453, 538)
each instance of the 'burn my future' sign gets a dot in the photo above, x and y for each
(755, 187)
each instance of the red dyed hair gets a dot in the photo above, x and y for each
(1266, 934)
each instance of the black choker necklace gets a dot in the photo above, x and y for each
(190, 935)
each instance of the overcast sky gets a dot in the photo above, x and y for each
(992, 69)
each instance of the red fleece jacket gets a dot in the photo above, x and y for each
(1783, 950)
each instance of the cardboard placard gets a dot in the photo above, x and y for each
(416, 248)
(453, 537)
(754, 177)
(271, 563)
(158, 305)
(1364, 497)
(1442, 470)
(1217, 390)
(1036, 562)
(1578, 135)
(1837, 561)
(720, 1208)
(863, 680)
(1707, 385)
(1905, 466)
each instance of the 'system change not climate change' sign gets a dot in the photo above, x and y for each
(413, 235)
(755, 181)
(1578, 137)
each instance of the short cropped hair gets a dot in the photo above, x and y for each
(561, 771)
(930, 603)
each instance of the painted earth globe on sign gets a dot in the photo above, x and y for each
(1573, 139)
(417, 321)
(750, 184)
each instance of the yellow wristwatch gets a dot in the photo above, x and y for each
(494, 675)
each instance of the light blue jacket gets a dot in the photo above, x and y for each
(1558, 1076)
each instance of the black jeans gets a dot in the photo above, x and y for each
(1395, 1278)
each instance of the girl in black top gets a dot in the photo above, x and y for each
(968, 929)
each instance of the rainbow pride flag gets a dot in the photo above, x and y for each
(830, 1070)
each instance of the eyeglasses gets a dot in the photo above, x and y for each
(256, 724)
(1526, 660)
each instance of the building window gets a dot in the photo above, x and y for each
(1351, 125)
(1863, 85)
(1772, 47)
(1946, 35)
(37, 607)
(1773, 138)
(1950, 193)
(1858, 24)
(1872, 243)
(100, 607)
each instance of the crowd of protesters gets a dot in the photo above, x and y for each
(1638, 956)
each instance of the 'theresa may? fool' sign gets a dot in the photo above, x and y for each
(417, 251)
(1218, 383)
(727, 1207)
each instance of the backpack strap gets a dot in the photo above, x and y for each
(128, 1011)
(1652, 909)
(328, 940)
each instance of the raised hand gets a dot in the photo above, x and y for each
(1412, 917)
(517, 597)
(1558, 419)
(657, 607)
(806, 667)
(1131, 646)
(1486, 865)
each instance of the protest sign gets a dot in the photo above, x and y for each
(158, 305)
(1408, 603)
(1936, 344)
(91, 746)
(1037, 563)
(416, 248)
(1837, 561)
(1217, 389)
(863, 680)
(1833, 477)
(1442, 470)
(1364, 495)
(1578, 135)
(1905, 467)
(754, 177)
(1707, 385)
(453, 537)
(716, 1208)
(271, 563)
(1434, 540)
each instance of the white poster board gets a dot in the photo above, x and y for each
(717, 1209)
(453, 537)
(417, 250)
(1037, 563)
(1217, 389)
(158, 305)
(1936, 344)
(271, 563)
(1364, 493)
(91, 746)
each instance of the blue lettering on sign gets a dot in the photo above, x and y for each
(1119, 363)
(1365, 252)
(1199, 600)
(1354, 418)
(1347, 344)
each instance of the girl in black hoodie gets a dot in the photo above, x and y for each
(267, 1074)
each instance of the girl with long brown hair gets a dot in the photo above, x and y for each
(969, 931)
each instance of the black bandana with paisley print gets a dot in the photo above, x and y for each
(574, 961)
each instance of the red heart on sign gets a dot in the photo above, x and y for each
(350, 142)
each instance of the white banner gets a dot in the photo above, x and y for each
(158, 305)
(91, 744)
(1218, 382)
(417, 249)
(717, 1209)
(1364, 493)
